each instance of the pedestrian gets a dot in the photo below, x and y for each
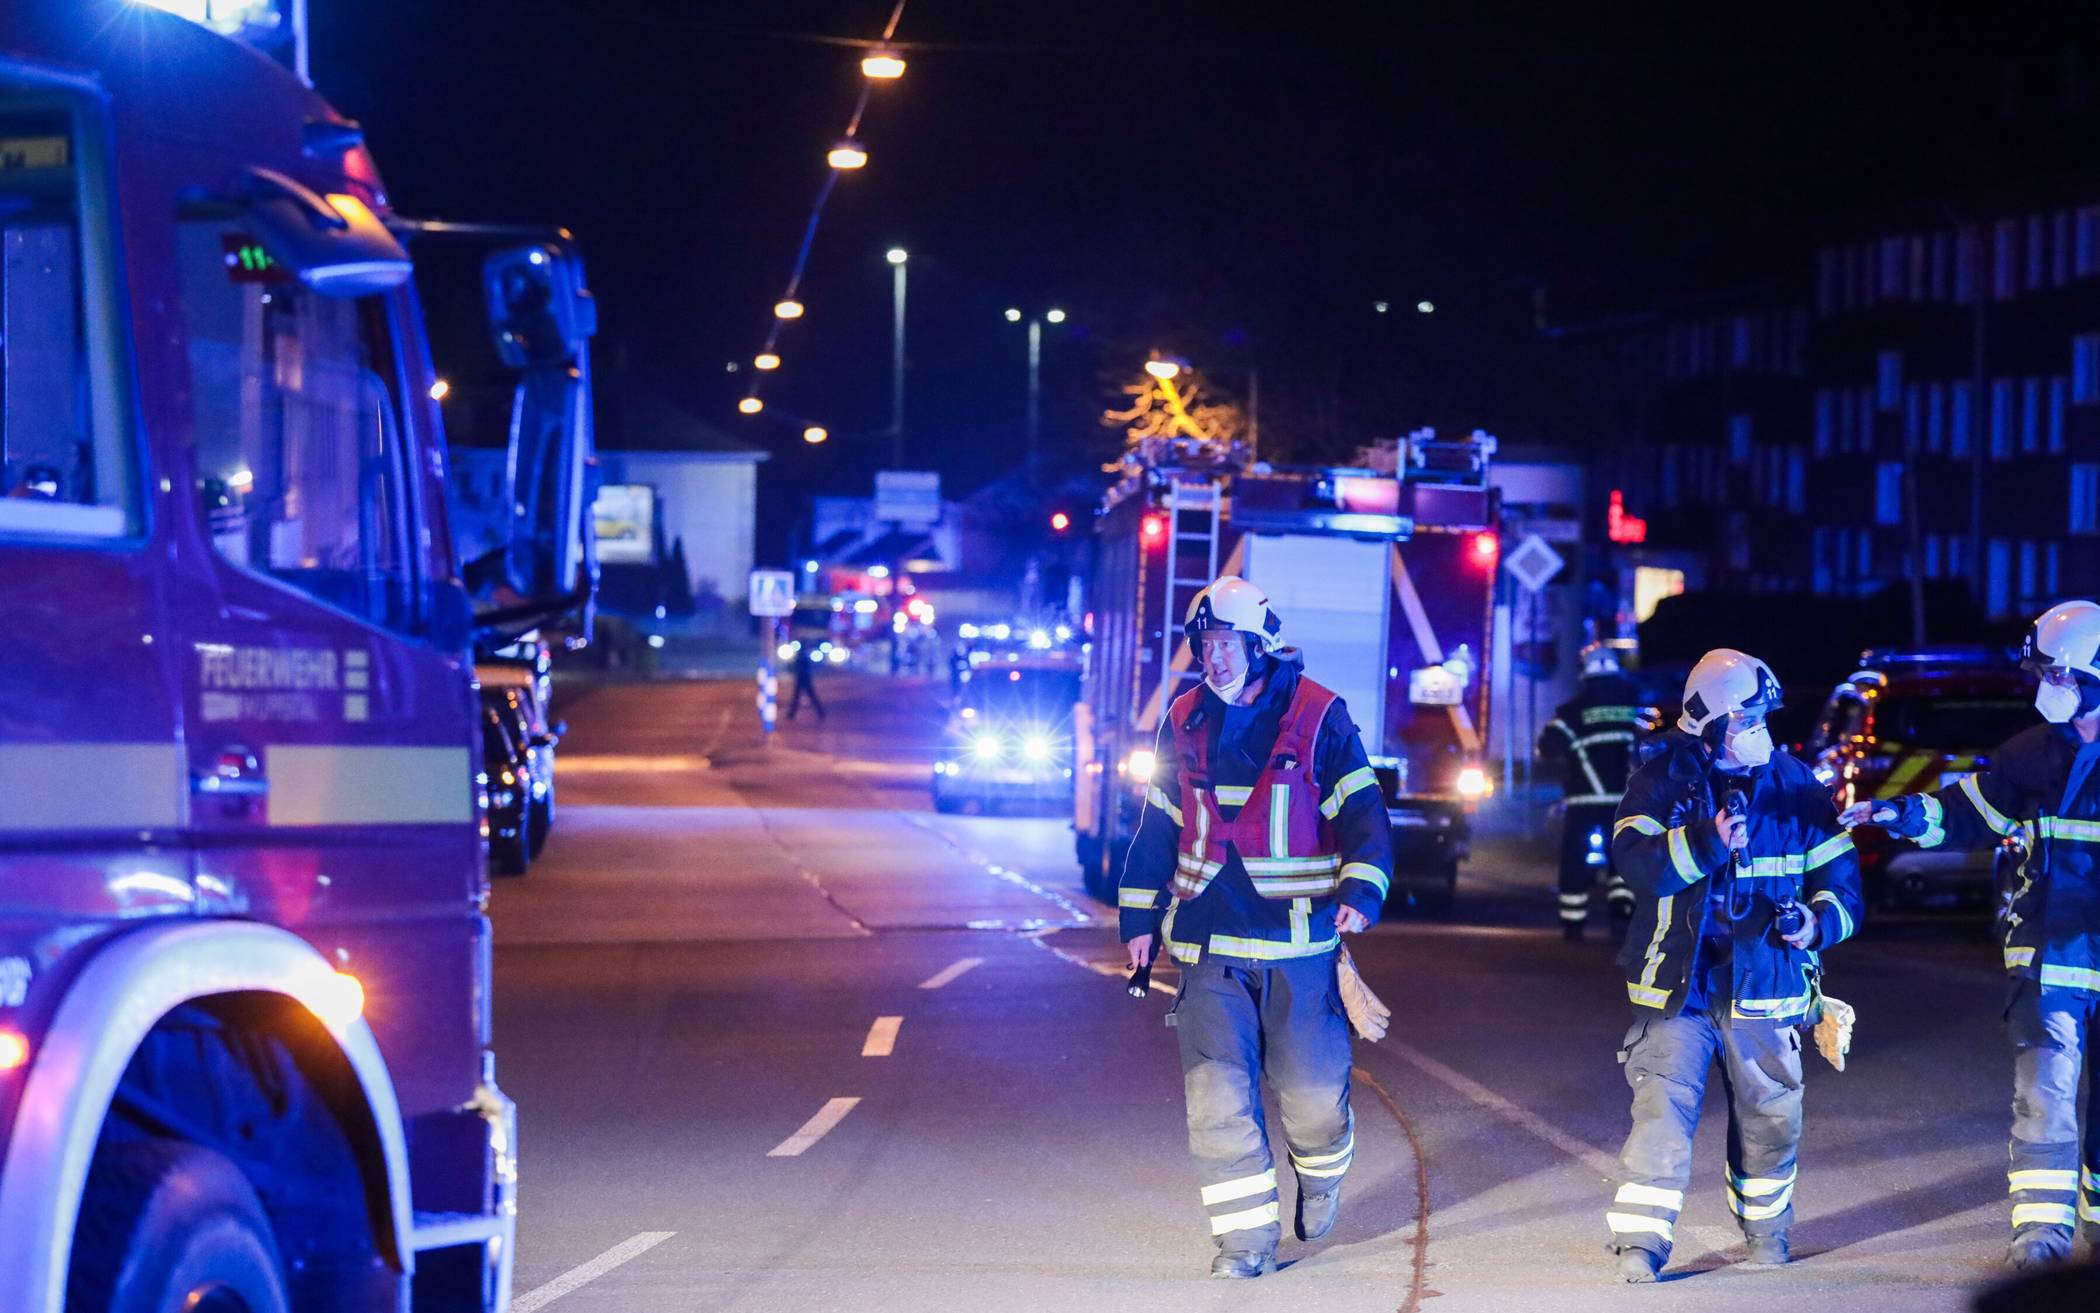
(1264, 838)
(805, 682)
(1591, 738)
(2040, 790)
(1742, 877)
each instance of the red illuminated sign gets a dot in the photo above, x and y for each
(1621, 527)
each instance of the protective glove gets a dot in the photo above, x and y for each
(1368, 1015)
(1834, 1031)
(1904, 817)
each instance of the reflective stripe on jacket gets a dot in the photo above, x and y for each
(1277, 825)
(1665, 846)
(1592, 736)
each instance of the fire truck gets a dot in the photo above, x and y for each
(1385, 581)
(244, 957)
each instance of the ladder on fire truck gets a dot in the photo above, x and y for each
(1194, 512)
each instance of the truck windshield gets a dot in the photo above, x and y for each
(65, 466)
(1956, 724)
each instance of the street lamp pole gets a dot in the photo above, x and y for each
(898, 258)
(1035, 391)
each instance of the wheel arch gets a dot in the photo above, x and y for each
(120, 996)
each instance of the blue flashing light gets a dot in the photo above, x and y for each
(226, 17)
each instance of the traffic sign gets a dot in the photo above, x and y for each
(908, 497)
(772, 593)
(1534, 562)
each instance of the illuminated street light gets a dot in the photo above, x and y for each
(882, 64)
(848, 154)
(1013, 316)
(789, 309)
(896, 255)
(1162, 369)
(750, 405)
(766, 360)
(815, 434)
(439, 390)
(1426, 307)
(1055, 316)
(1380, 307)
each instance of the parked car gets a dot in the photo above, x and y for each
(1009, 738)
(1912, 721)
(507, 762)
(513, 693)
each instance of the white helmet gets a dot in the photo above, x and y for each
(1723, 682)
(1233, 603)
(2065, 637)
(1600, 658)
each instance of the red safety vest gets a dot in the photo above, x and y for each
(1279, 831)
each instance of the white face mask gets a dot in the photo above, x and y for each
(2058, 704)
(1751, 747)
(1229, 692)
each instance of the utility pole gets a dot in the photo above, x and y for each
(898, 259)
(1035, 391)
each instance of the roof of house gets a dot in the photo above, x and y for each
(633, 417)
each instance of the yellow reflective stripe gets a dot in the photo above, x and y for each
(1647, 997)
(1760, 1185)
(2041, 1178)
(1186, 953)
(1142, 899)
(1935, 833)
(1829, 850)
(1363, 777)
(2071, 977)
(1269, 950)
(1326, 1159)
(1265, 1215)
(2018, 957)
(1279, 819)
(1370, 875)
(1681, 857)
(1654, 953)
(1776, 868)
(1838, 905)
(1323, 1171)
(2063, 827)
(1232, 795)
(2088, 1212)
(1635, 1224)
(1595, 715)
(1649, 1196)
(1591, 799)
(1762, 1212)
(2043, 1215)
(1224, 1192)
(2092, 1182)
(1605, 736)
(1295, 886)
(1291, 865)
(1640, 824)
(1992, 817)
(1301, 920)
(1772, 1009)
(1158, 798)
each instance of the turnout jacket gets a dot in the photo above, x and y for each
(1665, 846)
(1222, 912)
(1592, 735)
(2052, 931)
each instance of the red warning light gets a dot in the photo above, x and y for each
(1486, 546)
(1060, 521)
(1154, 528)
(1621, 527)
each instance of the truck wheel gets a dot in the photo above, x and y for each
(167, 1225)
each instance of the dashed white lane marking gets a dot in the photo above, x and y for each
(1041, 939)
(577, 1277)
(947, 974)
(882, 1038)
(815, 1129)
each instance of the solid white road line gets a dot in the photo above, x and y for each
(947, 974)
(815, 1129)
(882, 1038)
(576, 1277)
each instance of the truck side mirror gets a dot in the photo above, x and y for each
(541, 314)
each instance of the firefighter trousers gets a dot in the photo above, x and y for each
(1581, 863)
(1667, 1060)
(1237, 1023)
(2052, 1056)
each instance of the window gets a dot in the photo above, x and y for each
(1866, 552)
(1892, 268)
(1955, 556)
(2001, 418)
(1739, 439)
(1913, 417)
(1796, 481)
(2085, 498)
(1863, 407)
(2060, 250)
(2027, 570)
(2087, 258)
(1820, 548)
(2085, 368)
(2054, 560)
(1936, 418)
(1998, 578)
(1888, 492)
(2059, 394)
(1888, 379)
(2005, 259)
(1940, 242)
(2031, 415)
(68, 467)
(1826, 421)
(298, 432)
(1967, 244)
(2037, 251)
(1932, 556)
(1961, 426)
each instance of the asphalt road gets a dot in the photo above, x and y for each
(783, 1038)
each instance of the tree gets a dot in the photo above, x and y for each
(1180, 405)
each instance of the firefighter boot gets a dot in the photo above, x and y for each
(1768, 1251)
(1316, 1213)
(1242, 1265)
(2038, 1246)
(1637, 1266)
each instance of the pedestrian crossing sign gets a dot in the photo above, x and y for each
(772, 593)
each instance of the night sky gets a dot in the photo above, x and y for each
(1238, 184)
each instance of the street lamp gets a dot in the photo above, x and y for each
(1035, 374)
(815, 434)
(882, 64)
(788, 309)
(898, 257)
(1163, 370)
(1013, 316)
(750, 405)
(1055, 316)
(766, 360)
(439, 390)
(848, 154)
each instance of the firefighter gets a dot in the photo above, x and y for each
(2040, 786)
(1592, 735)
(1264, 838)
(1742, 877)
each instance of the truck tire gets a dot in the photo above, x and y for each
(168, 1225)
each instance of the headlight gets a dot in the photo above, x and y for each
(1473, 783)
(987, 746)
(786, 651)
(837, 656)
(1036, 747)
(1141, 765)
